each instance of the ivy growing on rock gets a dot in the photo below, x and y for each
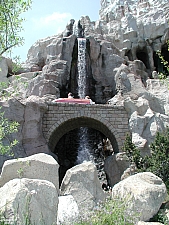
(6, 129)
(164, 76)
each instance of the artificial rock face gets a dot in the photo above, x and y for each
(127, 31)
(120, 59)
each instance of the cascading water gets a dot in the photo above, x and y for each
(81, 67)
(75, 28)
(84, 146)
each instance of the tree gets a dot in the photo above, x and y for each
(158, 162)
(11, 23)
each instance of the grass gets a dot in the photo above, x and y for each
(111, 212)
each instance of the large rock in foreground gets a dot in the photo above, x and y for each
(29, 199)
(38, 166)
(146, 192)
(68, 212)
(82, 183)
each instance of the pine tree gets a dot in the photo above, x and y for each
(159, 159)
(132, 152)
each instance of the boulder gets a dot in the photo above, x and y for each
(32, 200)
(145, 193)
(33, 139)
(131, 170)
(5, 68)
(38, 166)
(114, 166)
(159, 89)
(82, 183)
(68, 212)
(58, 71)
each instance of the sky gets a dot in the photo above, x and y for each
(50, 17)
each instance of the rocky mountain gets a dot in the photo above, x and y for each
(121, 65)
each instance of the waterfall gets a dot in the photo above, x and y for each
(75, 28)
(84, 146)
(81, 67)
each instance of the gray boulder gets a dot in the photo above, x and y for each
(82, 183)
(68, 212)
(29, 199)
(145, 193)
(38, 166)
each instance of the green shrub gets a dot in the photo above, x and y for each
(111, 212)
(6, 128)
(160, 217)
(157, 162)
(133, 153)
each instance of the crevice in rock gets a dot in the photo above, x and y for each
(129, 55)
(143, 56)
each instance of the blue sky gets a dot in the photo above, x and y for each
(50, 17)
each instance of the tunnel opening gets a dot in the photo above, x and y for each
(129, 55)
(142, 55)
(64, 142)
(67, 151)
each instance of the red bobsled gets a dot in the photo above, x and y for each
(73, 100)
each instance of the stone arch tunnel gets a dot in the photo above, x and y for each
(62, 118)
(78, 122)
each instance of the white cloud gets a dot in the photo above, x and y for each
(53, 19)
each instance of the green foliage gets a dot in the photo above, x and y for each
(3, 85)
(14, 91)
(163, 61)
(161, 218)
(157, 162)
(11, 23)
(7, 128)
(133, 153)
(112, 212)
(165, 74)
(16, 64)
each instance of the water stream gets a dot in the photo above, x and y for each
(84, 146)
(81, 67)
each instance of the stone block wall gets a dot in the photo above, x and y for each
(60, 118)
